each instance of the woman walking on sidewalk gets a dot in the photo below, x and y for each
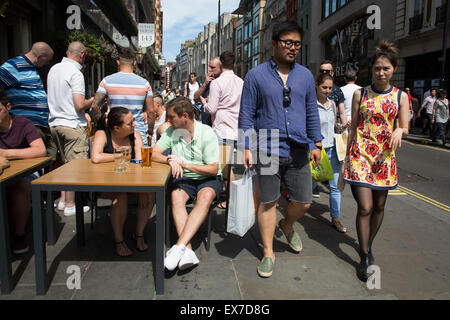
(441, 114)
(327, 114)
(371, 167)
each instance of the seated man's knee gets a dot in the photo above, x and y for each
(179, 197)
(206, 196)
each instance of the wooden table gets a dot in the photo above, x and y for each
(18, 169)
(83, 175)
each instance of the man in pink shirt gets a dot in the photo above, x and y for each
(224, 99)
(224, 102)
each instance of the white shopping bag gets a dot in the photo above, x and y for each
(242, 210)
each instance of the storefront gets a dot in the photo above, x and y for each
(423, 72)
(348, 48)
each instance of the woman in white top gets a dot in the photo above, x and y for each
(327, 114)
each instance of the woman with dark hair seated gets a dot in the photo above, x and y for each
(118, 131)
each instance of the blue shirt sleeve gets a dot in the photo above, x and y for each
(312, 115)
(249, 101)
(7, 79)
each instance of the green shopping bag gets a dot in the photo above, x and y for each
(324, 171)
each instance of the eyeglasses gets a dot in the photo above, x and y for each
(325, 71)
(288, 43)
(286, 96)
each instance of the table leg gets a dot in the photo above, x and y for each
(79, 219)
(160, 216)
(39, 244)
(50, 216)
(5, 248)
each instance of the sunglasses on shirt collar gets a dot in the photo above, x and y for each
(286, 96)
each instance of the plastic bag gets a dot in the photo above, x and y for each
(323, 171)
(242, 208)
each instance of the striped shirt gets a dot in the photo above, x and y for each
(25, 90)
(130, 91)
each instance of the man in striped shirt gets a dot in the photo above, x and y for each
(25, 90)
(126, 89)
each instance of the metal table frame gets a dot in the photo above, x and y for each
(39, 245)
(5, 245)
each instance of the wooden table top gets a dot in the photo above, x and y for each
(18, 166)
(83, 172)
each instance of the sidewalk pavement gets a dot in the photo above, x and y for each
(417, 137)
(414, 265)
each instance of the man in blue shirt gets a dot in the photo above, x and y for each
(23, 85)
(279, 98)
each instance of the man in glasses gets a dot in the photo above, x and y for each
(279, 97)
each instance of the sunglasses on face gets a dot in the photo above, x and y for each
(286, 96)
(325, 71)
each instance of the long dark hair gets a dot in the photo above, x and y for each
(115, 118)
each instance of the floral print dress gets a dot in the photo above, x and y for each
(371, 162)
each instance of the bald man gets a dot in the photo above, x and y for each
(214, 71)
(67, 105)
(25, 90)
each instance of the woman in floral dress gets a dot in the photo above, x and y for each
(380, 116)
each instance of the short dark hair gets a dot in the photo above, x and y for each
(350, 75)
(442, 91)
(127, 54)
(181, 105)
(227, 59)
(195, 75)
(284, 27)
(327, 62)
(3, 97)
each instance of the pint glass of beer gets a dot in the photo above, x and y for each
(146, 153)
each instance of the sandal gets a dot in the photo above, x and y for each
(124, 247)
(338, 226)
(135, 238)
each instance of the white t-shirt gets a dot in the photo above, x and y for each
(63, 80)
(161, 120)
(192, 88)
(348, 91)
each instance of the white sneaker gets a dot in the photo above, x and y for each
(189, 259)
(61, 206)
(70, 211)
(174, 256)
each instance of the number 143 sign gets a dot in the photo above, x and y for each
(146, 34)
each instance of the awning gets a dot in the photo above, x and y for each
(118, 14)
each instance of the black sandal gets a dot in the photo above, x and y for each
(135, 238)
(124, 246)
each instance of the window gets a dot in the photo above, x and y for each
(256, 45)
(250, 28)
(256, 23)
(239, 36)
(245, 32)
(255, 62)
(246, 50)
(239, 53)
(249, 53)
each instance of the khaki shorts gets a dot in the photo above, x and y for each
(49, 141)
(72, 142)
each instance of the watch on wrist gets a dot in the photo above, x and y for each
(319, 147)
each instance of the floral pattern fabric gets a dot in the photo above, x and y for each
(371, 162)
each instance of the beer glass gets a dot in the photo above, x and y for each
(146, 153)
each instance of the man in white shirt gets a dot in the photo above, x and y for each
(191, 86)
(67, 105)
(348, 90)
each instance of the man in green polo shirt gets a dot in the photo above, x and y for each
(195, 168)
